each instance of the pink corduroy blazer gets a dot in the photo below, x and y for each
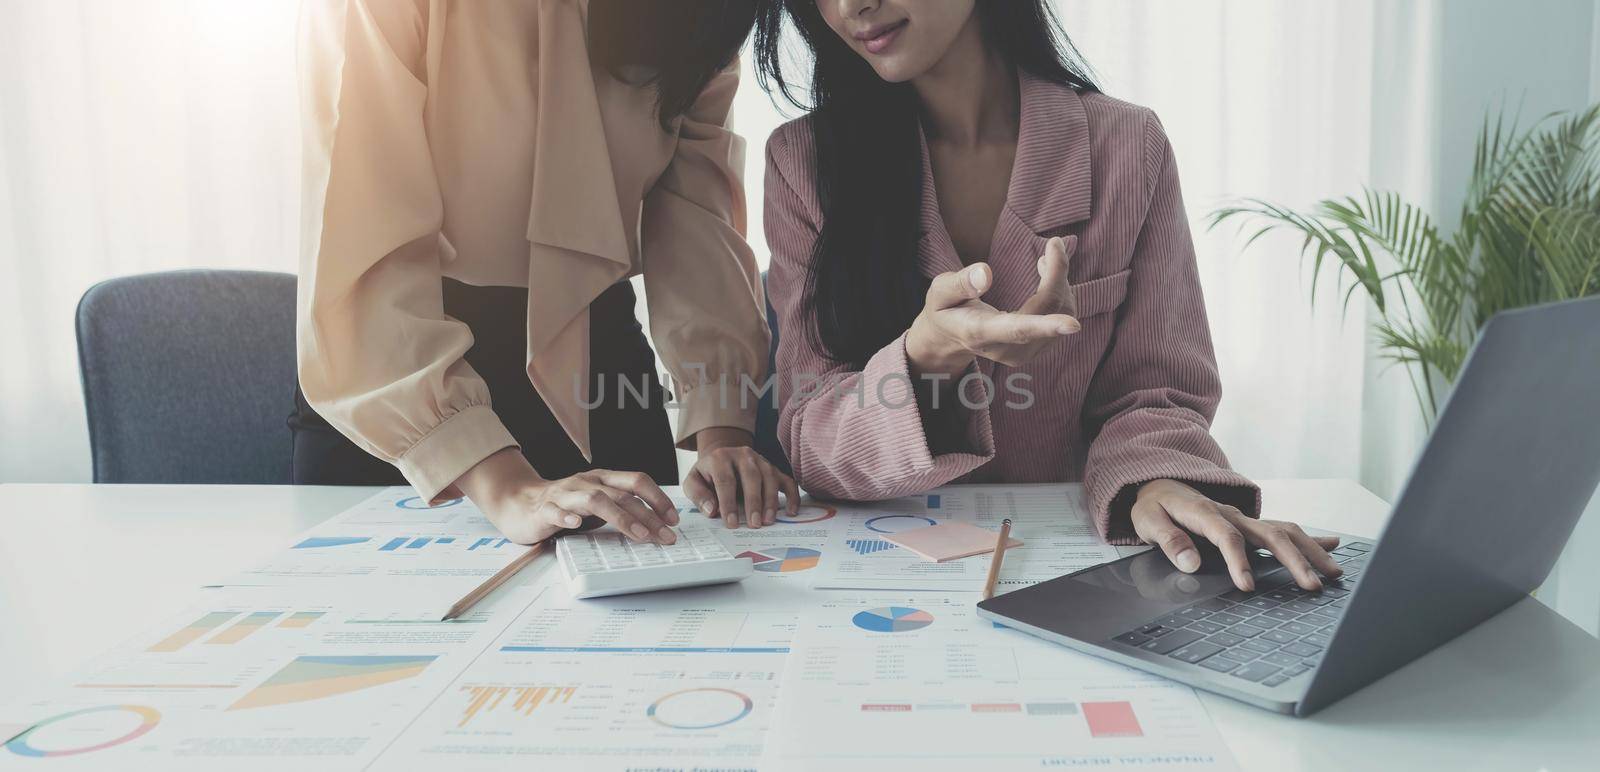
(1128, 399)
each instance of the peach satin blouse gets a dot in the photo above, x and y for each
(474, 140)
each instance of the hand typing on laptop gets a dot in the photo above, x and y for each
(1168, 514)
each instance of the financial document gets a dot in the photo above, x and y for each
(686, 677)
(883, 681)
(332, 656)
(253, 678)
(1058, 538)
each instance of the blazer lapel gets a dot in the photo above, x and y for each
(1051, 188)
(936, 252)
(1051, 184)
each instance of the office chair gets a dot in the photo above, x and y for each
(767, 413)
(188, 376)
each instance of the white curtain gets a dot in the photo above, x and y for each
(135, 135)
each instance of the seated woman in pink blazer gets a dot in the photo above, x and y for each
(984, 273)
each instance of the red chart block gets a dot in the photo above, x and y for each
(1111, 719)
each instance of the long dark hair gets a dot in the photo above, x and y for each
(677, 46)
(864, 286)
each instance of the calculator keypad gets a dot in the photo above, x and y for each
(592, 553)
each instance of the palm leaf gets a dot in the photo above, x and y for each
(1529, 232)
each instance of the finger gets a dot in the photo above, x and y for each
(640, 484)
(1069, 297)
(1316, 553)
(1287, 552)
(1055, 291)
(1205, 518)
(699, 490)
(1152, 524)
(791, 491)
(595, 501)
(558, 517)
(655, 528)
(1013, 328)
(949, 290)
(769, 485)
(726, 483)
(1328, 543)
(754, 489)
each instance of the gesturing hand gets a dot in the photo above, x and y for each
(1167, 512)
(734, 482)
(955, 326)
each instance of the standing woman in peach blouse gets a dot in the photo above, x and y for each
(481, 180)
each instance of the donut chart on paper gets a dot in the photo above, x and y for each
(700, 708)
(414, 502)
(898, 523)
(76, 724)
(807, 513)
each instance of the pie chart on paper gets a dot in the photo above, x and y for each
(892, 619)
(783, 561)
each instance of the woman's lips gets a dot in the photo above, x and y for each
(881, 41)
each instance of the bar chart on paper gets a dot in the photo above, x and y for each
(217, 625)
(521, 700)
(606, 711)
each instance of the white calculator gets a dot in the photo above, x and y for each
(608, 563)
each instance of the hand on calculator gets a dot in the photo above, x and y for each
(529, 509)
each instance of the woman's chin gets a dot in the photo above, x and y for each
(896, 69)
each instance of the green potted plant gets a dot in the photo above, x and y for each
(1529, 233)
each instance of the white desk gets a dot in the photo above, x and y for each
(82, 567)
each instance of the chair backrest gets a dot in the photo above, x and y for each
(189, 376)
(767, 414)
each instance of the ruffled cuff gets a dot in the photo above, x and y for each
(457, 444)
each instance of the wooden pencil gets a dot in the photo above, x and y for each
(465, 604)
(999, 555)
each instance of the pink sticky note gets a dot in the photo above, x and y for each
(950, 541)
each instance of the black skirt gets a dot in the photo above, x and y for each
(624, 434)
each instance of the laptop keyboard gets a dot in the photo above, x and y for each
(1268, 635)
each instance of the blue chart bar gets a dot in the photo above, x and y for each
(869, 546)
(488, 541)
(933, 501)
(393, 545)
(418, 543)
(445, 540)
(479, 543)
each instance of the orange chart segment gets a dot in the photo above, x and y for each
(244, 627)
(310, 678)
(525, 699)
(301, 619)
(193, 631)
